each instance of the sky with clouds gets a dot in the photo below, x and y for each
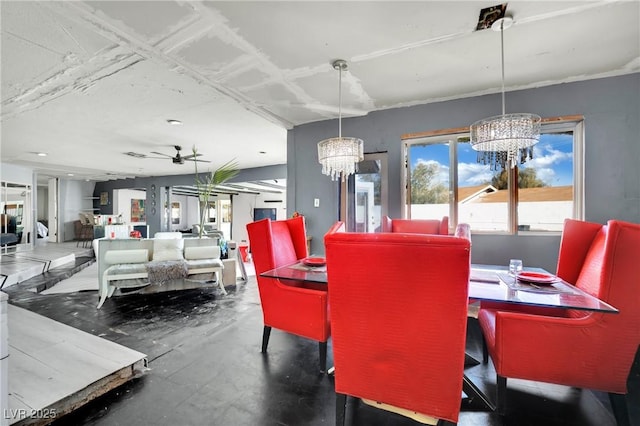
(552, 159)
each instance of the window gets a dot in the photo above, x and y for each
(212, 213)
(443, 177)
(175, 213)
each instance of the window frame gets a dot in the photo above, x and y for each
(574, 123)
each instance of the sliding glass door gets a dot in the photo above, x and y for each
(16, 221)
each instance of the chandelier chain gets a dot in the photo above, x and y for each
(505, 140)
(339, 156)
(502, 62)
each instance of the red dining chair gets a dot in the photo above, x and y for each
(416, 226)
(286, 305)
(576, 240)
(398, 331)
(590, 350)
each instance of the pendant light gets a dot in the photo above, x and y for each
(505, 139)
(340, 155)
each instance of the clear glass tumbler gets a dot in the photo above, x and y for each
(515, 267)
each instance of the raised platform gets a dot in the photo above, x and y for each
(54, 368)
(21, 262)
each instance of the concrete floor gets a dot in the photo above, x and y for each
(206, 368)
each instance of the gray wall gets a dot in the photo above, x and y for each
(74, 198)
(611, 111)
(154, 221)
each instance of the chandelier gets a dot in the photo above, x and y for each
(505, 139)
(340, 155)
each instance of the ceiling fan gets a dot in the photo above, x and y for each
(180, 159)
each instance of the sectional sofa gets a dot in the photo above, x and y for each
(163, 263)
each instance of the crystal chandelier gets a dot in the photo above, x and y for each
(340, 155)
(505, 139)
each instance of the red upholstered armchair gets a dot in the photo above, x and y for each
(285, 306)
(416, 226)
(398, 331)
(579, 349)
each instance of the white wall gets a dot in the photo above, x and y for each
(42, 209)
(545, 215)
(16, 174)
(243, 205)
(122, 203)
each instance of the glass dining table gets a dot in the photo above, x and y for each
(486, 283)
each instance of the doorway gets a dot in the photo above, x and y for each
(16, 221)
(366, 200)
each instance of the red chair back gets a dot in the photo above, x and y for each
(577, 236)
(277, 243)
(398, 326)
(416, 226)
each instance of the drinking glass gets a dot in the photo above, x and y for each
(515, 267)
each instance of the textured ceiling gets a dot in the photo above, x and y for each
(86, 82)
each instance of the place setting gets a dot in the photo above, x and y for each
(312, 264)
(535, 282)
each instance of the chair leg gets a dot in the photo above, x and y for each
(266, 333)
(620, 410)
(501, 394)
(485, 351)
(220, 282)
(322, 346)
(341, 408)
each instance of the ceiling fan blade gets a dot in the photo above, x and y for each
(196, 159)
(187, 157)
(159, 153)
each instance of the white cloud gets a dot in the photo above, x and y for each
(469, 174)
(545, 156)
(473, 174)
(546, 175)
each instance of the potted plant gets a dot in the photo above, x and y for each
(207, 183)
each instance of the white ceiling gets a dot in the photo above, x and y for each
(86, 82)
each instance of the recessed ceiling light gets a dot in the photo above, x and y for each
(262, 152)
(69, 174)
(42, 154)
(174, 122)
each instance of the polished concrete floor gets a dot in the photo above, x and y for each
(206, 367)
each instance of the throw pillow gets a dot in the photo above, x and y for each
(169, 249)
(115, 257)
(204, 252)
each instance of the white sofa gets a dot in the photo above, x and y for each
(166, 262)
